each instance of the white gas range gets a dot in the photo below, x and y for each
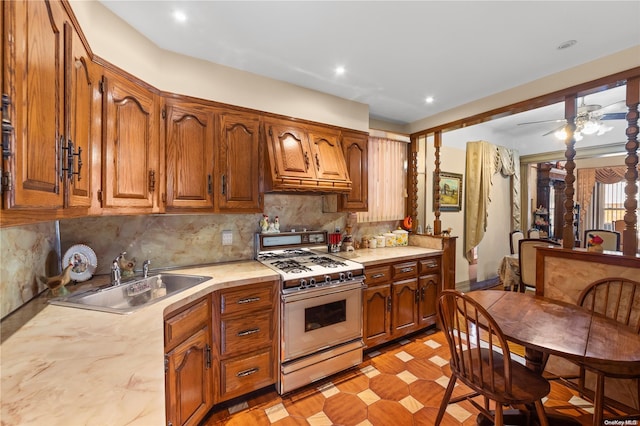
(321, 306)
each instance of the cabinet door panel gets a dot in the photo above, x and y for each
(356, 157)
(38, 100)
(131, 161)
(404, 306)
(428, 287)
(240, 163)
(376, 324)
(189, 380)
(80, 116)
(328, 159)
(289, 152)
(190, 140)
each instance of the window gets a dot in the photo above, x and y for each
(608, 204)
(387, 165)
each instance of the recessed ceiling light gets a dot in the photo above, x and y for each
(567, 44)
(179, 16)
(340, 70)
(429, 99)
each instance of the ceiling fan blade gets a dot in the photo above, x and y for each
(562, 120)
(614, 116)
(621, 104)
(554, 130)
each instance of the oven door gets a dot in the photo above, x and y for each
(320, 318)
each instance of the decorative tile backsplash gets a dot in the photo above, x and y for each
(166, 240)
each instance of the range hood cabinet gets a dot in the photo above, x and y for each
(304, 158)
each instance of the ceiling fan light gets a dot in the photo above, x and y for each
(603, 129)
(590, 127)
(560, 134)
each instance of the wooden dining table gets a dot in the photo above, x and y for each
(551, 327)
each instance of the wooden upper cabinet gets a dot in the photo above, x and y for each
(289, 154)
(354, 147)
(190, 131)
(240, 166)
(81, 98)
(328, 158)
(304, 158)
(34, 74)
(131, 158)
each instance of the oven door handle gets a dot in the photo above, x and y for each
(323, 291)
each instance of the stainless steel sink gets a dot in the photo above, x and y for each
(131, 295)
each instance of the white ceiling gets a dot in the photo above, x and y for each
(396, 53)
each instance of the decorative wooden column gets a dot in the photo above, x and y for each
(412, 178)
(437, 224)
(570, 109)
(629, 235)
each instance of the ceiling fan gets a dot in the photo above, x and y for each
(589, 120)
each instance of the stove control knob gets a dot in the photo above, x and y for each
(303, 283)
(342, 278)
(312, 282)
(327, 279)
(349, 275)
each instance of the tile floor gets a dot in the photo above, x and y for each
(400, 384)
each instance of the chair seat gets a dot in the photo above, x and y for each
(526, 385)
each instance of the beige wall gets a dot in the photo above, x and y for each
(114, 40)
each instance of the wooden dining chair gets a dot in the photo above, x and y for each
(514, 238)
(618, 299)
(527, 260)
(611, 238)
(481, 359)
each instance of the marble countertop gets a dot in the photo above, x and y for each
(74, 366)
(372, 257)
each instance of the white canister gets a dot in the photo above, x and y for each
(373, 243)
(380, 241)
(402, 237)
(390, 239)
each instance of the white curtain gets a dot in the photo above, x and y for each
(387, 180)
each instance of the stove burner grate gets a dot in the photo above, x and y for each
(326, 262)
(290, 266)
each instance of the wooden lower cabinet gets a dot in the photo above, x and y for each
(246, 321)
(376, 322)
(219, 347)
(400, 298)
(188, 364)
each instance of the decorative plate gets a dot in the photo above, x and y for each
(84, 262)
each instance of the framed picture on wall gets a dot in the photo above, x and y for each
(450, 191)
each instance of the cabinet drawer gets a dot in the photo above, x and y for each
(245, 374)
(377, 275)
(246, 333)
(430, 265)
(246, 299)
(405, 270)
(183, 324)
